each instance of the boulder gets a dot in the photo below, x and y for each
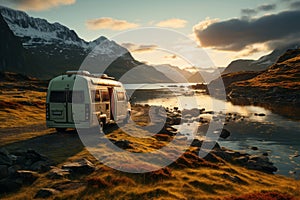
(5, 158)
(224, 133)
(254, 148)
(162, 137)
(123, 144)
(3, 171)
(9, 185)
(46, 193)
(261, 163)
(82, 166)
(40, 166)
(211, 158)
(242, 160)
(26, 177)
(57, 173)
(196, 143)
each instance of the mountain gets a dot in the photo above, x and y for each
(206, 75)
(278, 85)
(51, 49)
(11, 50)
(174, 73)
(257, 65)
(36, 31)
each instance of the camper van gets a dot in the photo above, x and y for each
(79, 99)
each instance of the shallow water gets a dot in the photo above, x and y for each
(273, 134)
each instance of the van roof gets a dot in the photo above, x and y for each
(87, 73)
(95, 79)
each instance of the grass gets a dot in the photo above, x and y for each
(190, 177)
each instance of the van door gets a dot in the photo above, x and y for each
(121, 104)
(58, 106)
(76, 107)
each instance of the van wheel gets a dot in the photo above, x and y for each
(103, 123)
(126, 120)
(60, 130)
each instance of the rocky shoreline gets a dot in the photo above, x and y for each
(23, 168)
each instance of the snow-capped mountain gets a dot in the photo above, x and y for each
(51, 49)
(34, 31)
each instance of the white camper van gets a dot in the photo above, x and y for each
(79, 99)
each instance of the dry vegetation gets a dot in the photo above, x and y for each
(22, 116)
(284, 75)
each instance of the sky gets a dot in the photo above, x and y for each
(224, 30)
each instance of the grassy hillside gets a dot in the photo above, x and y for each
(190, 177)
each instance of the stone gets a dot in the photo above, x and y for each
(13, 169)
(162, 137)
(123, 144)
(261, 163)
(211, 158)
(33, 156)
(3, 171)
(40, 166)
(82, 166)
(254, 148)
(46, 193)
(26, 177)
(57, 173)
(9, 185)
(196, 143)
(5, 159)
(195, 112)
(224, 133)
(242, 159)
(265, 154)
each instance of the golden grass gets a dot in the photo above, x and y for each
(18, 109)
(193, 179)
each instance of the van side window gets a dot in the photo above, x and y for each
(95, 96)
(104, 95)
(58, 96)
(121, 96)
(76, 97)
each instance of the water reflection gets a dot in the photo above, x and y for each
(269, 132)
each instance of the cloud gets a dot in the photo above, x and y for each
(267, 7)
(139, 48)
(248, 11)
(110, 24)
(295, 5)
(237, 34)
(37, 5)
(172, 23)
(206, 23)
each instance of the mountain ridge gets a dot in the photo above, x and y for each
(51, 49)
(260, 64)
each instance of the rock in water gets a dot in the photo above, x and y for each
(224, 133)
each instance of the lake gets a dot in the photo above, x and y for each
(268, 132)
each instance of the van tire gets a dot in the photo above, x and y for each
(127, 118)
(61, 130)
(103, 123)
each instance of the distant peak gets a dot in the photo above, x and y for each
(100, 39)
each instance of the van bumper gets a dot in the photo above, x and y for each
(52, 124)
